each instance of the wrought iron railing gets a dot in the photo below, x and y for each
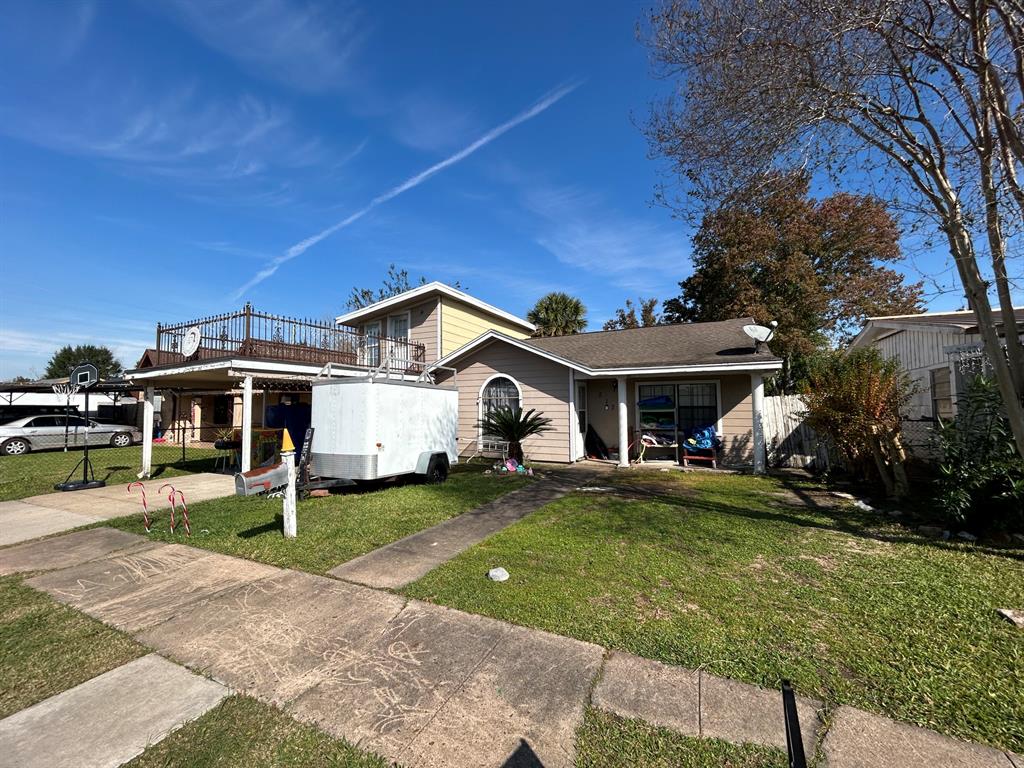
(252, 334)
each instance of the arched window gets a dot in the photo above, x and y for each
(498, 392)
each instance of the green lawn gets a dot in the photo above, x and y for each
(731, 573)
(607, 741)
(243, 733)
(46, 648)
(331, 530)
(36, 473)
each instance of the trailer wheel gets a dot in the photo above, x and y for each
(437, 470)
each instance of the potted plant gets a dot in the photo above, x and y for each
(513, 426)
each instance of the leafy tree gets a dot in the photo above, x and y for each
(855, 397)
(918, 100)
(513, 426)
(558, 314)
(626, 318)
(67, 357)
(981, 477)
(395, 282)
(815, 266)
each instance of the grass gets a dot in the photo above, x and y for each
(733, 574)
(607, 741)
(46, 648)
(35, 473)
(331, 530)
(241, 732)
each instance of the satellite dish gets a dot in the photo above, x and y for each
(84, 376)
(760, 333)
(190, 344)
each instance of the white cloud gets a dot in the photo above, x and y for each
(413, 181)
(307, 45)
(184, 135)
(580, 230)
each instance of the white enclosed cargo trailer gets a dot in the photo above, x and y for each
(373, 428)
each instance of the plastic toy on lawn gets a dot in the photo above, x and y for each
(145, 506)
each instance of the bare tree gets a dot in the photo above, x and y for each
(920, 100)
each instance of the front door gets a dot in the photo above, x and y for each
(398, 329)
(581, 419)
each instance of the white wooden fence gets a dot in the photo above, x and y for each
(791, 441)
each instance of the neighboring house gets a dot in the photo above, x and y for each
(662, 380)
(934, 349)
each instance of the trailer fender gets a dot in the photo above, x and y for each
(423, 462)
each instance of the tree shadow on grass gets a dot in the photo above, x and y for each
(840, 517)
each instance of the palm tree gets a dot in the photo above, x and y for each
(558, 314)
(513, 426)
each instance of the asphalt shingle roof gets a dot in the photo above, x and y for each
(715, 343)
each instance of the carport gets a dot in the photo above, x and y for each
(250, 352)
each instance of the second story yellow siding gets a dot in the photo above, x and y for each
(461, 323)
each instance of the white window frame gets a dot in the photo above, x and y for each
(366, 345)
(398, 350)
(637, 383)
(480, 400)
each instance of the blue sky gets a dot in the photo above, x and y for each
(161, 161)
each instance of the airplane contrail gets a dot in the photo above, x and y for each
(414, 181)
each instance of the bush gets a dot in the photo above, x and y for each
(854, 397)
(981, 477)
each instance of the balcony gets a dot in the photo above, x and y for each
(255, 335)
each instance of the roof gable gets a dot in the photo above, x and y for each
(425, 291)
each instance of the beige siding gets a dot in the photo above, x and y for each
(735, 406)
(545, 387)
(422, 325)
(461, 323)
(919, 352)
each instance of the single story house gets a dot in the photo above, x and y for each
(663, 381)
(660, 381)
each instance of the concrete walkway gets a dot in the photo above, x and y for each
(406, 560)
(49, 513)
(421, 684)
(108, 720)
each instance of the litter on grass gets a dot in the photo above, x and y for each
(497, 574)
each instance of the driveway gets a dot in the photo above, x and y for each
(50, 513)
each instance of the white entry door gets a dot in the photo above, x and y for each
(581, 419)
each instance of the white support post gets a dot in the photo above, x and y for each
(757, 409)
(247, 423)
(623, 423)
(147, 434)
(290, 523)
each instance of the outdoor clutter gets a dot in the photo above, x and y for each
(497, 574)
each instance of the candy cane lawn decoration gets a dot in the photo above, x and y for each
(145, 506)
(184, 511)
(170, 498)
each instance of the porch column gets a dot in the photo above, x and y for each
(147, 433)
(757, 409)
(247, 423)
(623, 423)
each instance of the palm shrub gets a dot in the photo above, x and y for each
(855, 398)
(981, 476)
(513, 426)
(558, 314)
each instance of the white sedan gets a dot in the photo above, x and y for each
(36, 433)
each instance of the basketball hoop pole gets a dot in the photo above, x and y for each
(84, 376)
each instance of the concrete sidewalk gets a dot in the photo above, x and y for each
(402, 562)
(425, 685)
(108, 720)
(50, 513)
